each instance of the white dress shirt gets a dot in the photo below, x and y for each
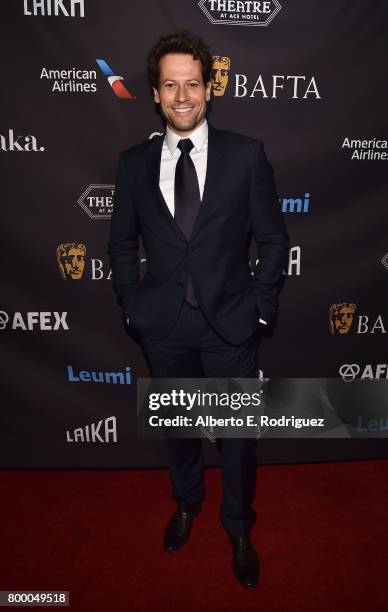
(169, 159)
(170, 156)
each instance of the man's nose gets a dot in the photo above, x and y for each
(181, 93)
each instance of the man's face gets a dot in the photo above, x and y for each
(181, 92)
(220, 75)
(74, 263)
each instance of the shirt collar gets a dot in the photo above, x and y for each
(198, 137)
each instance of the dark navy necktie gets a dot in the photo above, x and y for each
(187, 200)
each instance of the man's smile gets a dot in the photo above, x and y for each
(182, 110)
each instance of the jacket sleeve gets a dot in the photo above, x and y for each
(124, 240)
(270, 234)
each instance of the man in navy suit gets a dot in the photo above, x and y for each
(198, 310)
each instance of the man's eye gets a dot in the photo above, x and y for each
(169, 85)
(193, 85)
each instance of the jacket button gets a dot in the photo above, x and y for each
(180, 285)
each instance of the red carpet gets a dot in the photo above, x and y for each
(322, 536)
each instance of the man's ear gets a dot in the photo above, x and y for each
(156, 95)
(208, 91)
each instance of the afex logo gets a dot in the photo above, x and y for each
(44, 321)
(350, 371)
(114, 81)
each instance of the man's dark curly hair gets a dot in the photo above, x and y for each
(182, 41)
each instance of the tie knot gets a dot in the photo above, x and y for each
(185, 145)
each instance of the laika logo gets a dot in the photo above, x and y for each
(54, 8)
(71, 260)
(295, 205)
(18, 143)
(240, 12)
(350, 371)
(102, 431)
(44, 321)
(115, 81)
(97, 201)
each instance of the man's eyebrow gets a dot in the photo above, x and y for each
(187, 80)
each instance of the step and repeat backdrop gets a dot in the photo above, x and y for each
(306, 78)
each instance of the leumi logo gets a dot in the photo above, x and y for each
(71, 260)
(240, 12)
(10, 142)
(115, 81)
(219, 75)
(295, 205)
(341, 317)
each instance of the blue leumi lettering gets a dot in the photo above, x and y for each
(372, 424)
(113, 378)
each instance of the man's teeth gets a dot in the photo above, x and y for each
(183, 110)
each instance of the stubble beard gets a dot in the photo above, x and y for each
(188, 128)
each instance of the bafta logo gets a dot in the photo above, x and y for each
(71, 260)
(219, 74)
(341, 317)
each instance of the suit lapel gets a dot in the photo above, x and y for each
(154, 155)
(212, 181)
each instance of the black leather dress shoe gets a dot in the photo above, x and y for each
(245, 562)
(179, 528)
